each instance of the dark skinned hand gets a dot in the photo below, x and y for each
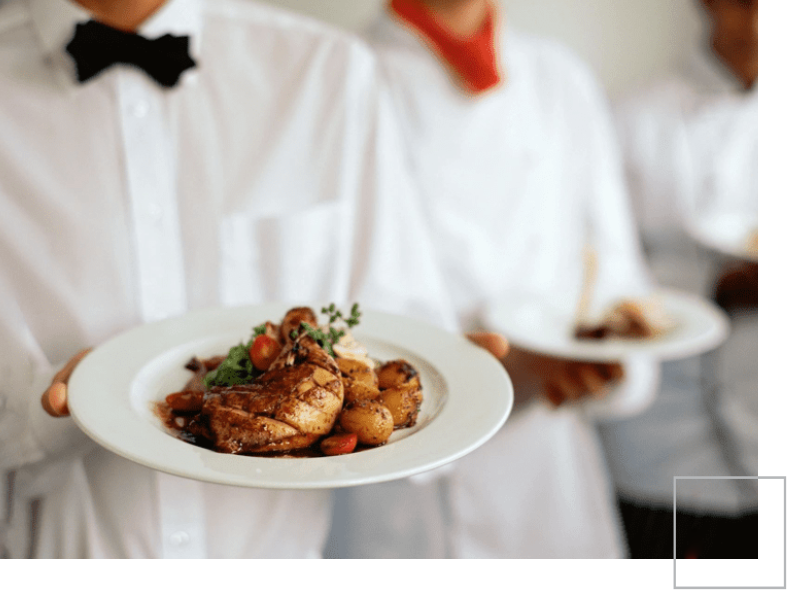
(560, 380)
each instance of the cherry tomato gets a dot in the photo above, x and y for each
(339, 444)
(263, 351)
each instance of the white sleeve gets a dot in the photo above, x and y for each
(658, 166)
(27, 433)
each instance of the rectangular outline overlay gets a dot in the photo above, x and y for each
(785, 519)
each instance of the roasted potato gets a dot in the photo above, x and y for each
(397, 374)
(370, 420)
(403, 402)
(358, 390)
(358, 371)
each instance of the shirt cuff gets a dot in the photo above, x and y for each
(18, 445)
(55, 437)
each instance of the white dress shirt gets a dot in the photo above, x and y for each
(517, 181)
(271, 172)
(691, 144)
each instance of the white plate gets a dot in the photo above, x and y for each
(727, 234)
(467, 398)
(700, 326)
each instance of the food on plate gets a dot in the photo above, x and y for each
(400, 390)
(369, 419)
(339, 444)
(296, 388)
(629, 318)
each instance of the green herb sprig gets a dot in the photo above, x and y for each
(326, 340)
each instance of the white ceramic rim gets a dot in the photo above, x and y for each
(476, 403)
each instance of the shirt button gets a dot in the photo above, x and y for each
(180, 538)
(140, 109)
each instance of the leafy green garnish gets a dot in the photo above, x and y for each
(237, 368)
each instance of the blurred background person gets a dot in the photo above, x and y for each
(196, 175)
(691, 148)
(515, 155)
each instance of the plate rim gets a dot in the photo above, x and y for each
(86, 408)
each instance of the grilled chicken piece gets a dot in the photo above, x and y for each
(288, 407)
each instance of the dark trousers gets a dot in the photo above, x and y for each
(649, 533)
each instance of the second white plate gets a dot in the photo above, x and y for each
(700, 326)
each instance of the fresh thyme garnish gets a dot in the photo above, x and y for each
(326, 340)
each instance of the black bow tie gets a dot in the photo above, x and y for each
(95, 47)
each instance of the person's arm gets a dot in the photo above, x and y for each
(737, 287)
(27, 433)
(557, 380)
(621, 271)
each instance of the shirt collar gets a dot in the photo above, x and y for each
(473, 59)
(388, 29)
(55, 20)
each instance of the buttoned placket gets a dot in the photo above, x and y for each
(151, 183)
(151, 168)
(181, 517)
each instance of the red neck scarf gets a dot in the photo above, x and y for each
(473, 58)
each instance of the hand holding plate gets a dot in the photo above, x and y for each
(559, 380)
(495, 344)
(55, 398)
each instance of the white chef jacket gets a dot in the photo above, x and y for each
(691, 145)
(517, 181)
(271, 173)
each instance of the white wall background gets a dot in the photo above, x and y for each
(625, 41)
